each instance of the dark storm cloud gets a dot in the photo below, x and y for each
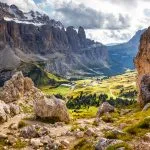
(80, 15)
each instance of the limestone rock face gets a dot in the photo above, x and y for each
(105, 108)
(142, 62)
(42, 39)
(51, 108)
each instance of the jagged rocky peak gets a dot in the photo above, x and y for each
(32, 37)
(82, 36)
(142, 62)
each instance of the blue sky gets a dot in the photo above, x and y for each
(106, 21)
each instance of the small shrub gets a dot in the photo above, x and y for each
(145, 124)
(74, 128)
(95, 123)
(20, 144)
(22, 124)
(84, 144)
(119, 145)
(26, 108)
(113, 135)
(132, 130)
(107, 119)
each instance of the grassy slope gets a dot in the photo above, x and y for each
(111, 86)
(40, 77)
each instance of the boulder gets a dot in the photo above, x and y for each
(34, 131)
(4, 111)
(90, 132)
(29, 132)
(146, 107)
(14, 109)
(105, 108)
(104, 143)
(65, 143)
(147, 137)
(36, 143)
(51, 109)
(144, 89)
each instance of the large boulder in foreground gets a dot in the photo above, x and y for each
(142, 62)
(105, 108)
(51, 109)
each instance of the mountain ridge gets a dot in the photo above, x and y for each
(65, 52)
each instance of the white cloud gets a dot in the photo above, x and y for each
(25, 5)
(136, 12)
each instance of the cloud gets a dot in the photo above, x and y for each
(147, 12)
(80, 15)
(106, 21)
(25, 5)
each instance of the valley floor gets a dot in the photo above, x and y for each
(128, 124)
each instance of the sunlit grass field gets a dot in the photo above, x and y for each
(111, 86)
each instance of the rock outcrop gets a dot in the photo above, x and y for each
(4, 111)
(51, 109)
(142, 62)
(20, 88)
(7, 111)
(105, 108)
(103, 143)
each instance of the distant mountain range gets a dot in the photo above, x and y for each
(34, 38)
(121, 56)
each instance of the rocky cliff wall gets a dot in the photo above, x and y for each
(142, 62)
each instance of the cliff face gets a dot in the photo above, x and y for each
(32, 36)
(142, 62)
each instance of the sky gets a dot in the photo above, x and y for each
(106, 21)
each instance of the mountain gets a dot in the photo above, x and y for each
(33, 37)
(121, 56)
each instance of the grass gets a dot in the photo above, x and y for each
(84, 113)
(38, 74)
(26, 108)
(20, 144)
(119, 145)
(111, 86)
(62, 90)
(22, 124)
(2, 144)
(140, 128)
(84, 144)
